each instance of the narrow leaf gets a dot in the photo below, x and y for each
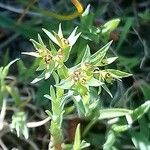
(37, 45)
(40, 40)
(60, 31)
(107, 61)
(107, 90)
(35, 54)
(100, 54)
(140, 111)
(110, 25)
(51, 36)
(65, 84)
(77, 140)
(39, 78)
(52, 93)
(87, 55)
(52, 47)
(117, 73)
(125, 31)
(6, 68)
(95, 82)
(113, 113)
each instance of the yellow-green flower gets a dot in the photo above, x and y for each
(59, 39)
(47, 61)
(65, 44)
(79, 80)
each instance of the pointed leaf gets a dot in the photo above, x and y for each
(51, 36)
(52, 47)
(48, 97)
(107, 61)
(113, 113)
(73, 38)
(65, 84)
(48, 73)
(52, 93)
(77, 140)
(84, 144)
(118, 74)
(41, 66)
(6, 68)
(60, 34)
(87, 55)
(140, 111)
(56, 77)
(107, 90)
(37, 45)
(49, 113)
(110, 25)
(35, 54)
(40, 40)
(94, 82)
(86, 11)
(79, 105)
(100, 54)
(67, 51)
(50, 69)
(39, 78)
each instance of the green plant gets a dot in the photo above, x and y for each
(82, 84)
(7, 87)
(77, 83)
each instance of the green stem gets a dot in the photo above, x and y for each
(89, 126)
(86, 101)
(56, 138)
(56, 122)
(63, 72)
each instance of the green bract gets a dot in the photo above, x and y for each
(65, 44)
(78, 83)
(51, 60)
(81, 99)
(88, 73)
(110, 25)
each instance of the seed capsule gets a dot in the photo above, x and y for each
(107, 75)
(83, 80)
(47, 59)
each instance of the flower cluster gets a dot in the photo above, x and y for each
(88, 73)
(50, 60)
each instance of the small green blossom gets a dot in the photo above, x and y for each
(58, 38)
(80, 79)
(88, 73)
(46, 59)
(65, 44)
(51, 60)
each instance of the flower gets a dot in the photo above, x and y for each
(51, 60)
(79, 80)
(59, 39)
(64, 44)
(47, 61)
(42, 52)
(88, 72)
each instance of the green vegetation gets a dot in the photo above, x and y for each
(85, 87)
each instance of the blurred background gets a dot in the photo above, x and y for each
(22, 20)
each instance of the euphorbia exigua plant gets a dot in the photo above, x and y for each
(75, 83)
(81, 83)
